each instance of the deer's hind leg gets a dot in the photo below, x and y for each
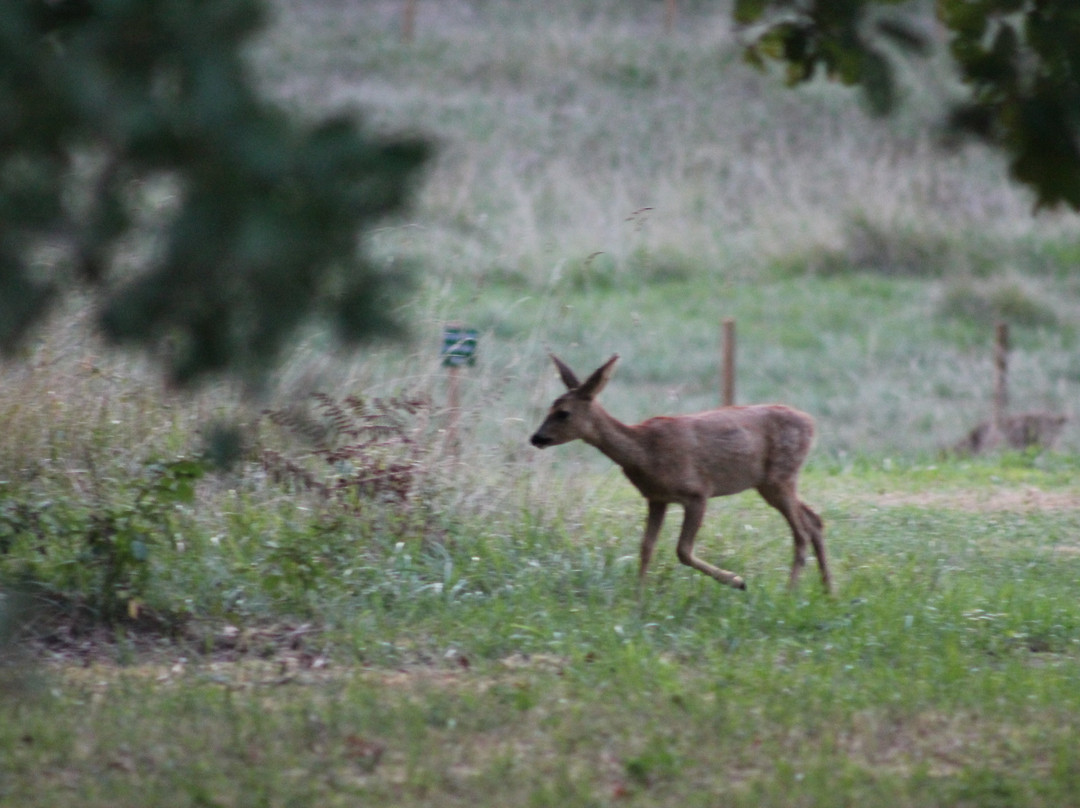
(806, 529)
(655, 521)
(816, 528)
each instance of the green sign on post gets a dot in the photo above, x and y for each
(459, 346)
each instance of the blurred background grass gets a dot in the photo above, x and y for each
(603, 185)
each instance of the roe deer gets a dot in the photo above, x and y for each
(689, 458)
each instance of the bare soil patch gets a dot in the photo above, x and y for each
(63, 634)
(1022, 499)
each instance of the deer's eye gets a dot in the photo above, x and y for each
(561, 415)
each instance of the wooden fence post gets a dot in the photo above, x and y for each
(458, 351)
(727, 396)
(453, 406)
(670, 13)
(408, 20)
(1001, 374)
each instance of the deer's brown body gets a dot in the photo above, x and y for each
(687, 459)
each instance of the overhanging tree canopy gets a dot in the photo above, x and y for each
(1018, 59)
(137, 158)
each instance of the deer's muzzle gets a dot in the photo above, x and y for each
(540, 441)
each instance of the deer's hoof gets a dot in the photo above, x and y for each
(739, 583)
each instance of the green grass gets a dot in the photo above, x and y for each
(601, 187)
(516, 663)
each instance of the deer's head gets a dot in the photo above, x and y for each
(571, 415)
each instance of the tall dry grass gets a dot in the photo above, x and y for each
(602, 185)
(555, 129)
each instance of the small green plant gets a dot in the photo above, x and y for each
(658, 761)
(97, 555)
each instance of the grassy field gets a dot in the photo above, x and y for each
(470, 630)
(515, 663)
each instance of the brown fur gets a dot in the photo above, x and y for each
(687, 459)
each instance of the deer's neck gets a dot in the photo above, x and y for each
(617, 440)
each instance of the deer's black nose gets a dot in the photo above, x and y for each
(539, 441)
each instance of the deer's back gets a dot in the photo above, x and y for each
(722, 451)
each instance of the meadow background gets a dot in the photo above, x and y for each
(251, 637)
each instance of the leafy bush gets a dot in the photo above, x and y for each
(986, 303)
(98, 554)
(890, 250)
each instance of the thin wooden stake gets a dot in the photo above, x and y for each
(1001, 374)
(453, 404)
(728, 387)
(408, 21)
(670, 13)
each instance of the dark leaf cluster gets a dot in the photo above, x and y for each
(137, 159)
(1021, 61)
(1018, 59)
(827, 37)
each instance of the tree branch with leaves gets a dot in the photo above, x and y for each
(138, 161)
(1018, 60)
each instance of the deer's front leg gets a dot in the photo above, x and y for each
(695, 513)
(652, 530)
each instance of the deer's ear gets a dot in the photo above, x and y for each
(598, 381)
(567, 375)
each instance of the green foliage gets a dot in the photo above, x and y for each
(827, 37)
(1019, 59)
(98, 554)
(641, 268)
(986, 303)
(484, 669)
(894, 251)
(136, 157)
(1022, 63)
